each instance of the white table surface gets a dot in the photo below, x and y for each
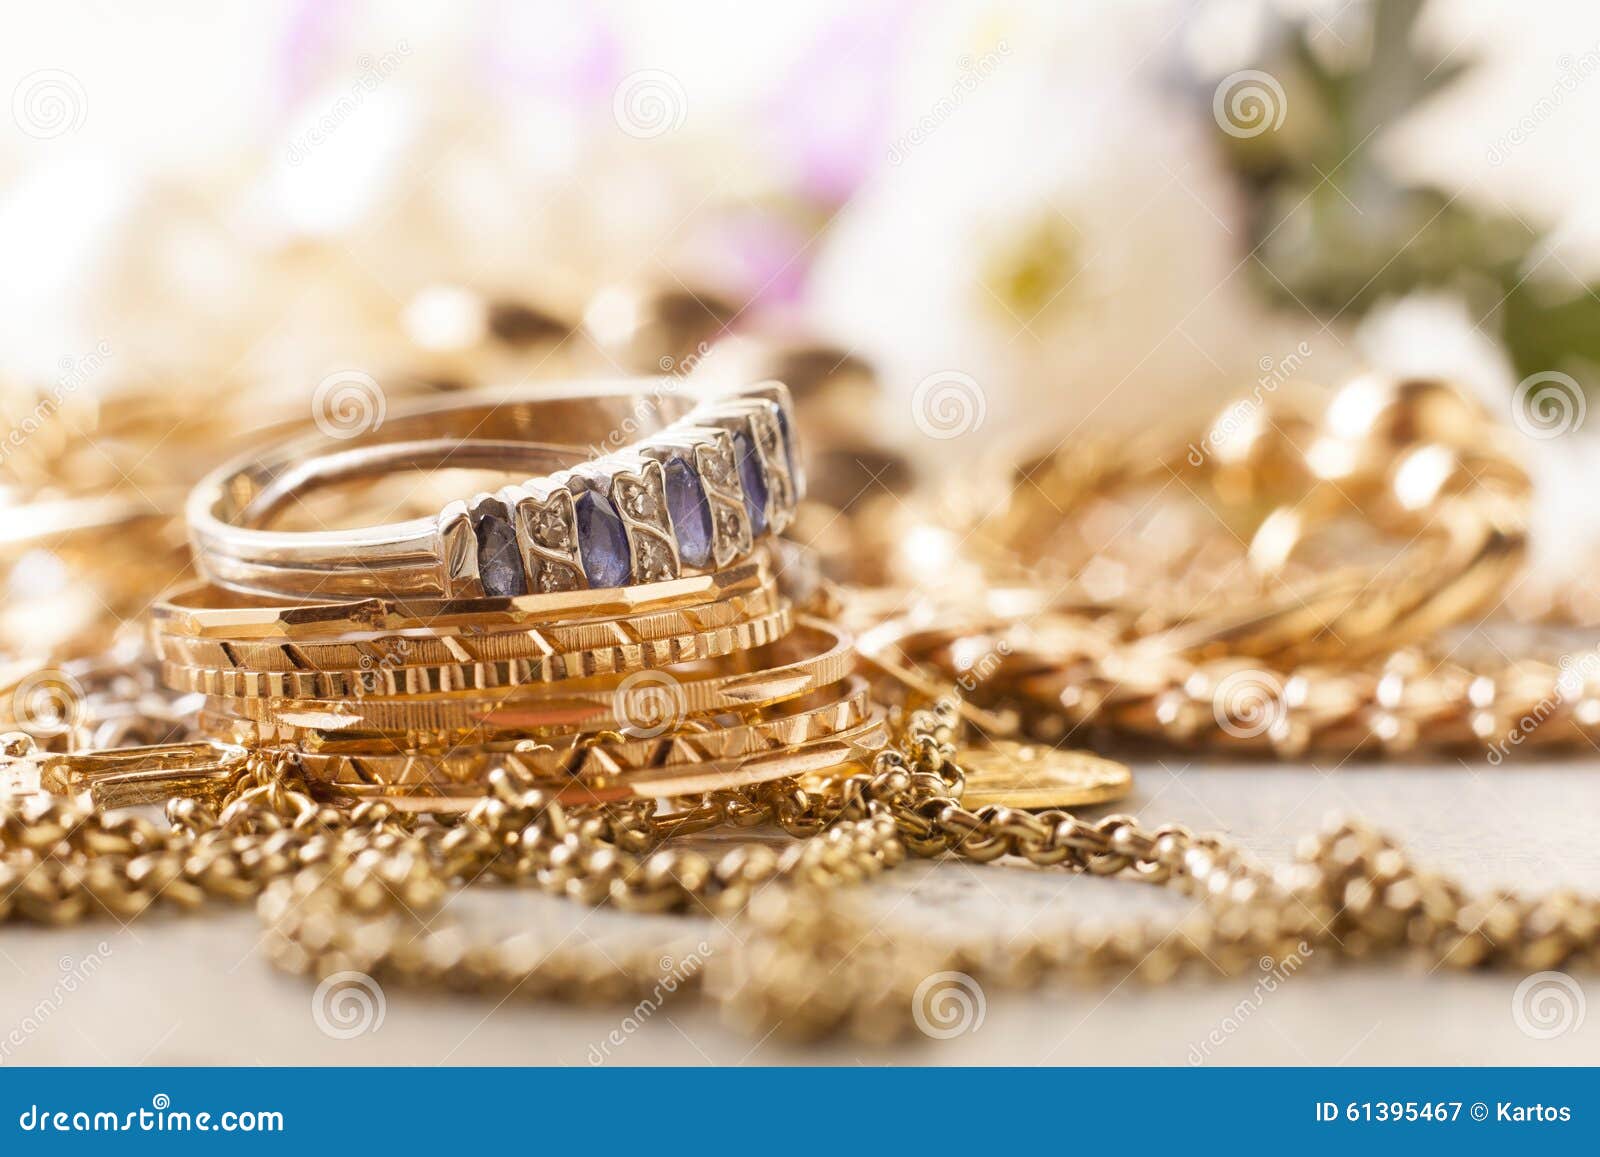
(188, 990)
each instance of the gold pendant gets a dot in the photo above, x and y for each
(1035, 776)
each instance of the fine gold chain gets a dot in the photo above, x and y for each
(348, 889)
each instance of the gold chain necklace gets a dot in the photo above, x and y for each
(346, 890)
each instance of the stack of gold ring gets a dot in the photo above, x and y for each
(611, 627)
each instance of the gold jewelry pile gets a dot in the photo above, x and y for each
(562, 682)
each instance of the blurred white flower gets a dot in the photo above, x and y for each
(1056, 229)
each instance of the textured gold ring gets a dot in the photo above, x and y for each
(387, 679)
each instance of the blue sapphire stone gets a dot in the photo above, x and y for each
(499, 560)
(607, 562)
(690, 511)
(788, 444)
(754, 481)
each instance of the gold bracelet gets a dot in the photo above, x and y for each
(339, 777)
(390, 680)
(437, 646)
(671, 742)
(209, 612)
(815, 654)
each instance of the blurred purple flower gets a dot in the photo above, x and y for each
(830, 115)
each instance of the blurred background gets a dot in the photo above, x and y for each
(984, 228)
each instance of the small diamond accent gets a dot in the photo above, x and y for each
(550, 529)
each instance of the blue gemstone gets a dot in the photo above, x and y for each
(691, 513)
(788, 445)
(754, 480)
(499, 560)
(604, 542)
